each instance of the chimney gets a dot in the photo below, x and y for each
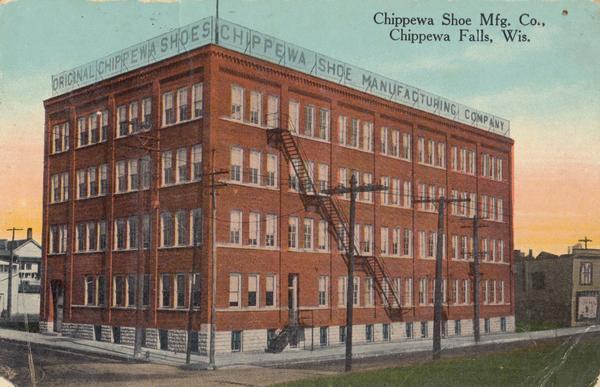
(29, 233)
(530, 253)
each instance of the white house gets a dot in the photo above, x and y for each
(26, 277)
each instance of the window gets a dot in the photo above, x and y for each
(131, 290)
(324, 124)
(368, 239)
(237, 103)
(236, 160)
(81, 237)
(367, 136)
(92, 181)
(254, 229)
(308, 234)
(60, 138)
(383, 141)
(168, 109)
(103, 177)
(309, 120)
(235, 284)
(424, 330)
(101, 290)
(82, 184)
(90, 290)
(183, 228)
(323, 336)
(168, 230)
(272, 111)
(270, 285)
(421, 149)
(133, 231)
(323, 290)
(146, 290)
(342, 334)
(343, 129)
(457, 328)
(293, 232)
(423, 288)
(342, 292)
(409, 330)
(145, 231)
(134, 181)
(369, 333)
(182, 104)
(386, 332)
(182, 165)
(123, 123)
(102, 235)
(118, 291)
(253, 281)
(369, 292)
(395, 143)
(294, 116)
(197, 162)
(197, 99)
(255, 167)
(168, 168)
(235, 227)
(92, 234)
(323, 177)
(406, 146)
(407, 249)
(271, 178)
(256, 108)
(120, 234)
(147, 113)
(503, 324)
(196, 216)
(165, 285)
(354, 133)
(271, 230)
(585, 273)
(93, 125)
(356, 292)
(83, 131)
(236, 341)
(134, 121)
(384, 241)
(144, 173)
(486, 325)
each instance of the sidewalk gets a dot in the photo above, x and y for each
(249, 359)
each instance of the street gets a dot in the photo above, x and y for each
(55, 367)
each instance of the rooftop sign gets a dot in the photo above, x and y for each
(262, 46)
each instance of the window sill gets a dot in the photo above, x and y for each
(189, 181)
(89, 252)
(395, 157)
(251, 185)
(93, 197)
(240, 246)
(59, 153)
(175, 247)
(61, 202)
(178, 122)
(355, 148)
(90, 144)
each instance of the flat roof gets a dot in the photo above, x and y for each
(244, 40)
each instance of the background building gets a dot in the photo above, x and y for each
(128, 181)
(26, 276)
(558, 289)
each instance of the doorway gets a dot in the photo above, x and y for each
(58, 302)
(293, 297)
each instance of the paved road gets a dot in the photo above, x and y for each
(56, 367)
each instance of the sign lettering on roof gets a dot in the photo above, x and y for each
(263, 46)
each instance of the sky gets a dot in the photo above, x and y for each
(549, 87)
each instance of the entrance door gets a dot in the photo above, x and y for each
(58, 301)
(293, 297)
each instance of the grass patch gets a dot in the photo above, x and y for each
(526, 366)
(530, 326)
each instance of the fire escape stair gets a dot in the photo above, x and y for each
(330, 210)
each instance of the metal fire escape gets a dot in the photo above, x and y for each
(330, 210)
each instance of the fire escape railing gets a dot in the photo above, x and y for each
(330, 209)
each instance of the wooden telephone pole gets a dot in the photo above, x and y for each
(437, 308)
(352, 190)
(10, 272)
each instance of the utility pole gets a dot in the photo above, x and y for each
(353, 190)
(213, 186)
(10, 272)
(213, 308)
(437, 307)
(476, 278)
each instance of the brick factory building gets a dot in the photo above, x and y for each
(131, 141)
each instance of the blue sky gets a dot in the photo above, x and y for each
(548, 88)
